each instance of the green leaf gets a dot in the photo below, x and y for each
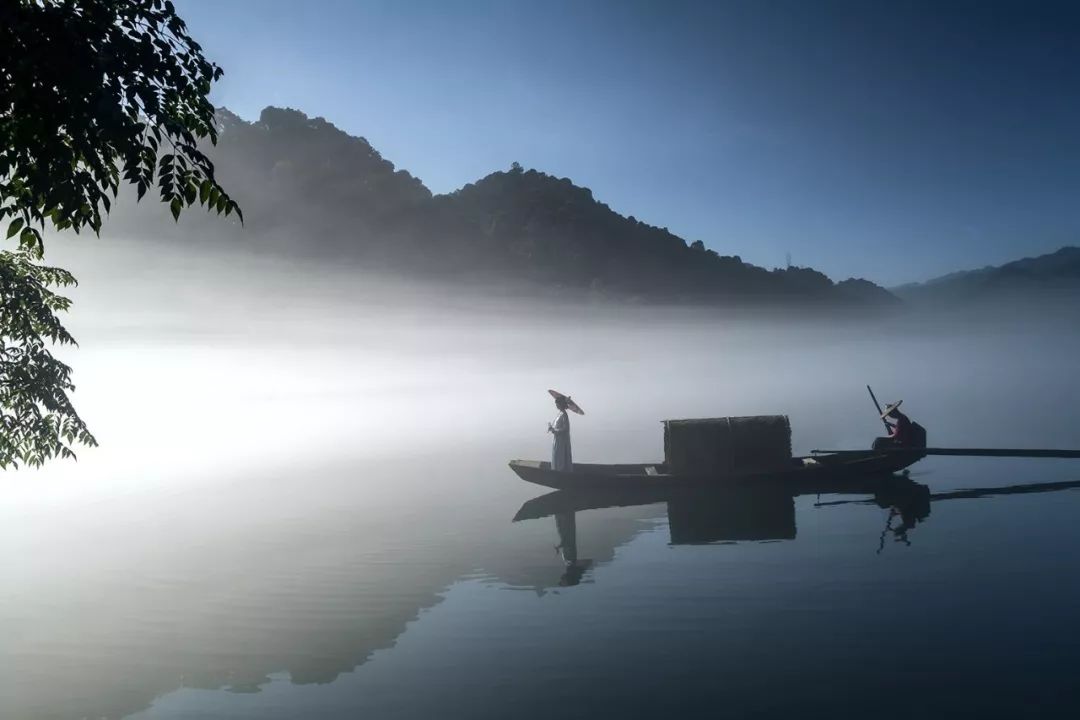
(14, 227)
(30, 240)
(174, 208)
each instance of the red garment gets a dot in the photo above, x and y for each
(901, 431)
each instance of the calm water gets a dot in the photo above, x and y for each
(318, 522)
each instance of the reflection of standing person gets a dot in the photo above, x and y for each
(561, 459)
(566, 526)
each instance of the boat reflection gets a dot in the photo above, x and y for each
(694, 517)
(766, 514)
(912, 504)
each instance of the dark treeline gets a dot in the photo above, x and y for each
(307, 187)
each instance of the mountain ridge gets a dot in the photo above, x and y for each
(1054, 274)
(307, 186)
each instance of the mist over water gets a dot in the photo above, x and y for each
(302, 487)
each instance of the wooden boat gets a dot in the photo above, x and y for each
(832, 472)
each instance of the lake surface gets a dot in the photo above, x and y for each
(303, 509)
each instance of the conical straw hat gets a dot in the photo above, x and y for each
(890, 407)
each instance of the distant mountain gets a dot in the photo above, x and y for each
(308, 187)
(1054, 275)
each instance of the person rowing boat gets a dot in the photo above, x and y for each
(903, 433)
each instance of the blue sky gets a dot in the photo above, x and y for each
(893, 141)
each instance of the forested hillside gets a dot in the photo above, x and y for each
(307, 187)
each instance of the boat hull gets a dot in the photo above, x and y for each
(819, 474)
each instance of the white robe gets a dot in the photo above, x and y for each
(560, 448)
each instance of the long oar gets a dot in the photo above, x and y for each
(963, 452)
(973, 493)
(888, 427)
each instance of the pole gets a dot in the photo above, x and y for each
(973, 493)
(888, 427)
(961, 452)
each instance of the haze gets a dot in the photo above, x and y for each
(252, 410)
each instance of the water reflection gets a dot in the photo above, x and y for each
(767, 514)
(908, 506)
(566, 526)
(693, 517)
(911, 504)
(319, 598)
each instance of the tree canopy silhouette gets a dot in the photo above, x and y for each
(92, 93)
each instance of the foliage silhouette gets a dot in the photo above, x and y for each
(91, 93)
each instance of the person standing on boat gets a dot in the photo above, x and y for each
(561, 457)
